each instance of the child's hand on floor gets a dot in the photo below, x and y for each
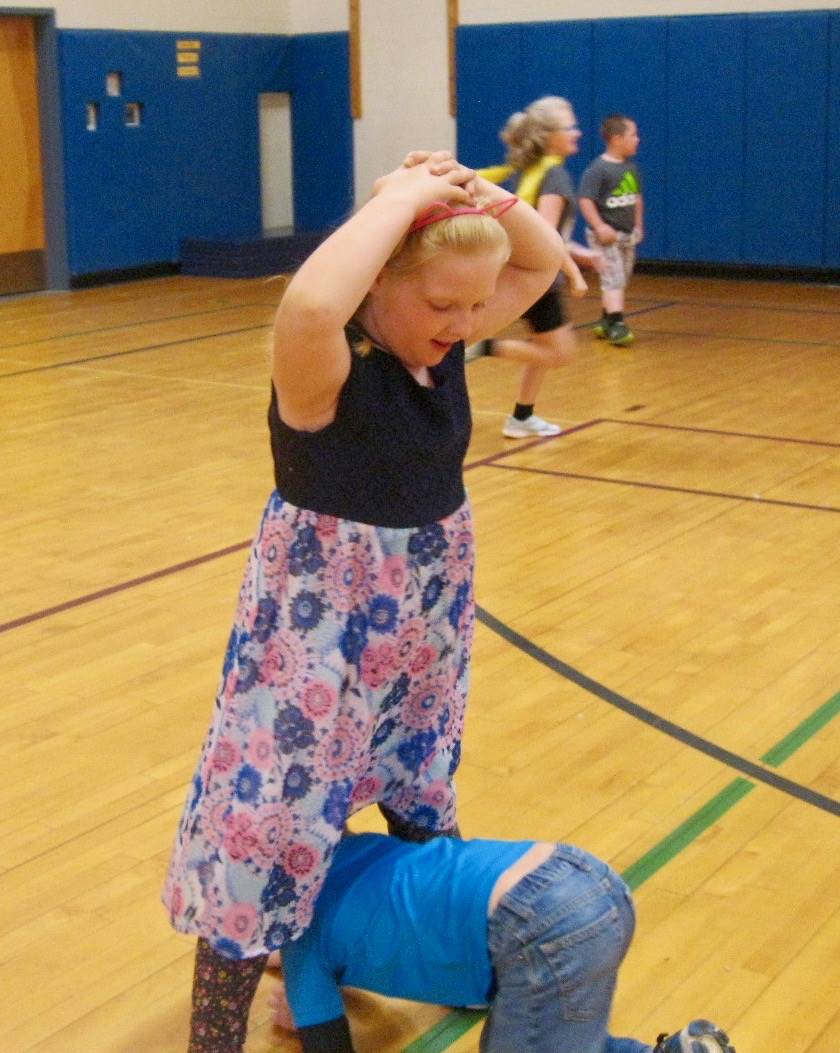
(282, 1014)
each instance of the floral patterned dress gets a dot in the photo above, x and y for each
(344, 684)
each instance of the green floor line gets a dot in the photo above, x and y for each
(672, 844)
(447, 1032)
(779, 753)
(444, 1034)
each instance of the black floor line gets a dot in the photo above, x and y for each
(130, 325)
(721, 431)
(135, 350)
(646, 716)
(719, 494)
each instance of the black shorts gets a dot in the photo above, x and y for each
(548, 312)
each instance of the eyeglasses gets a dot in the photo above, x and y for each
(568, 128)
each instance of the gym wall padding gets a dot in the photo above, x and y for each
(639, 88)
(192, 169)
(705, 143)
(738, 114)
(786, 133)
(831, 249)
(322, 130)
(490, 68)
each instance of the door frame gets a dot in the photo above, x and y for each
(56, 263)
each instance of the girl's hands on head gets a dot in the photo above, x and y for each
(425, 177)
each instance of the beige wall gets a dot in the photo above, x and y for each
(481, 11)
(319, 16)
(195, 16)
(405, 100)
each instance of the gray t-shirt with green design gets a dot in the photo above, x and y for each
(614, 186)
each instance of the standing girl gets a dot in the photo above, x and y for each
(345, 677)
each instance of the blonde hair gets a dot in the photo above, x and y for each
(526, 132)
(467, 234)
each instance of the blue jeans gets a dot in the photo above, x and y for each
(556, 941)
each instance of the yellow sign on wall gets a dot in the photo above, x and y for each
(188, 58)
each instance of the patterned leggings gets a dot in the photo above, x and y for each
(223, 988)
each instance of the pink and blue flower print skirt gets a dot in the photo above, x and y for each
(344, 684)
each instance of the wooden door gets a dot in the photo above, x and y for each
(21, 181)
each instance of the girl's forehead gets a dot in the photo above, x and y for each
(455, 275)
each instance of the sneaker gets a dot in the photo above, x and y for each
(532, 427)
(600, 329)
(479, 350)
(619, 334)
(700, 1036)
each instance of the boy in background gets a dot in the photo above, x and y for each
(610, 200)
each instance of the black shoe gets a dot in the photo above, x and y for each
(700, 1036)
(619, 334)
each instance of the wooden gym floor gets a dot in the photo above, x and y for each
(657, 664)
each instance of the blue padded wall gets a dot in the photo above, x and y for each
(831, 241)
(560, 64)
(786, 132)
(489, 61)
(322, 130)
(629, 69)
(192, 170)
(214, 142)
(739, 117)
(119, 181)
(705, 156)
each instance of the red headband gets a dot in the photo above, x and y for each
(439, 210)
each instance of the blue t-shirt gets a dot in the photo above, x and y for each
(401, 919)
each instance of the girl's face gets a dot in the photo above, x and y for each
(421, 313)
(565, 139)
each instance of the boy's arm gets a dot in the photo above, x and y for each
(313, 997)
(639, 222)
(603, 231)
(330, 1036)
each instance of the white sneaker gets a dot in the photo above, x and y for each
(533, 427)
(479, 350)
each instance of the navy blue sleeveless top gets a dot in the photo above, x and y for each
(394, 454)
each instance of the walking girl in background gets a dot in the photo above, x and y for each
(539, 139)
(345, 677)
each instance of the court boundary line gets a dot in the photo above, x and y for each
(750, 306)
(120, 586)
(172, 343)
(133, 351)
(721, 431)
(667, 488)
(163, 572)
(128, 325)
(833, 344)
(659, 723)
